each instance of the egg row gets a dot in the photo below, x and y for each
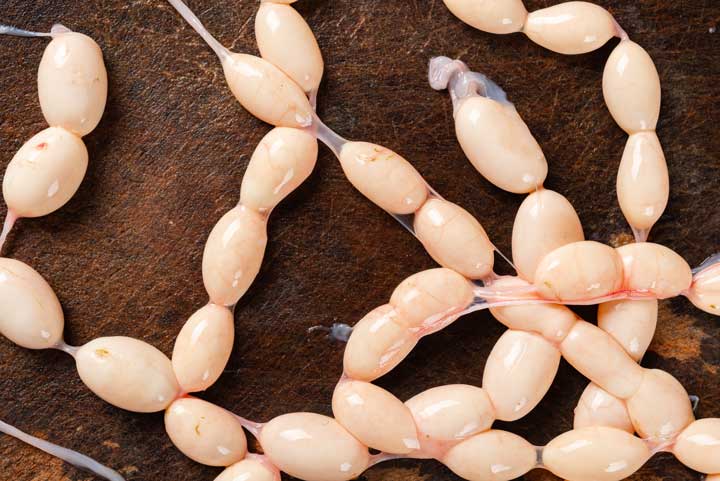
(631, 88)
(449, 423)
(72, 88)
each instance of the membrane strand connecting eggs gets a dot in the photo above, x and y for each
(384, 177)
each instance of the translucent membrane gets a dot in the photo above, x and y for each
(338, 331)
(456, 77)
(621, 33)
(10, 219)
(515, 295)
(66, 348)
(68, 455)
(710, 261)
(489, 297)
(327, 136)
(382, 457)
(19, 32)
(652, 449)
(640, 235)
(486, 298)
(539, 457)
(195, 23)
(695, 401)
(335, 143)
(252, 426)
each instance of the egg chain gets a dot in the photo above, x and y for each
(208, 334)
(462, 227)
(46, 172)
(404, 344)
(632, 92)
(48, 169)
(284, 158)
(484, 118)
(362, 424)
(631, 88)
(42, 176)
(272, 92)
(521, 366)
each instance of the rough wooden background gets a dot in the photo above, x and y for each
(124, 254)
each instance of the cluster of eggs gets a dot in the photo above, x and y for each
(555, 265)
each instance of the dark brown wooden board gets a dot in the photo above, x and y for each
(124, 254)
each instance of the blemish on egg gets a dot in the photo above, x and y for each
(102, 353)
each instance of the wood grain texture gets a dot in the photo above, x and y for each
(124, 254)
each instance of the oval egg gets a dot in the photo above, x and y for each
(655, 269)
(454, 238)
(643, 184)
(660, 408)
(518, 372)
(72, 83)
(45, 173)
(597, 407)
(282, 161)
(233, 254)
(630, 322)
(127, 373)
(544, 222)
(384, 177)
(312, 446)
(429, 296)
(266, 91)
(506, 16)
(595, 453)
(30, 313)
(378, 343)
(499, 145)
(250, 469)
(580, 271)
(631, 87)
(285, 40)
(698, 446)
(570, 28)
(601, 359)
(491, 456)
(203, 347)
(451, 413)
(375, 417)
(205, 433)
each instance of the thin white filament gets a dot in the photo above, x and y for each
(68, 455)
